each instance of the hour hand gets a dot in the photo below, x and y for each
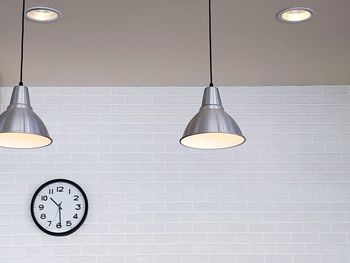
(55, 202)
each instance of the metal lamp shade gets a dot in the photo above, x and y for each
(20, 127)
(212, 127)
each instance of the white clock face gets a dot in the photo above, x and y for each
(59, 207)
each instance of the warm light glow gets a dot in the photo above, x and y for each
(42, 14)
(294, 15)
(23, 140)
(210, 141)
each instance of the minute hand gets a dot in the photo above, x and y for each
(59, 214)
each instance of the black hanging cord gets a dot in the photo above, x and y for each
(210, 48)
(22, 44)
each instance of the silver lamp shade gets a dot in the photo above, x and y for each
(212, 127)
(20, 127)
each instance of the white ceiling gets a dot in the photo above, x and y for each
(164, 43)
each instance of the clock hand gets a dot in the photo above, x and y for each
(55, 202)
(59, 214)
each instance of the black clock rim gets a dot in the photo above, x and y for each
(69, 231)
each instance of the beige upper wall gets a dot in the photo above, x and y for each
(164, 43)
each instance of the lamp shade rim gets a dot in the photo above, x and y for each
(219, 148)
(49, 140)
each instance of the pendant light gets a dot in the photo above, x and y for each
(212, 127)
(20, 127)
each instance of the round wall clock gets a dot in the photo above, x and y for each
(59, 207)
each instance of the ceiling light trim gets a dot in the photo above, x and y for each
(43, 8)
(280, 14)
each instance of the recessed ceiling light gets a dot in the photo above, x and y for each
(42, 14)
(295, 14)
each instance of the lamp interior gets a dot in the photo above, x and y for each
(210, 141)
(23, 140)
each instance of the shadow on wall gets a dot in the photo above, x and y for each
(3, 98)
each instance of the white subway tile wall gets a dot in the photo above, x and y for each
(283, 197)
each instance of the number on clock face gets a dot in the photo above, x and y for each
(59, 207)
